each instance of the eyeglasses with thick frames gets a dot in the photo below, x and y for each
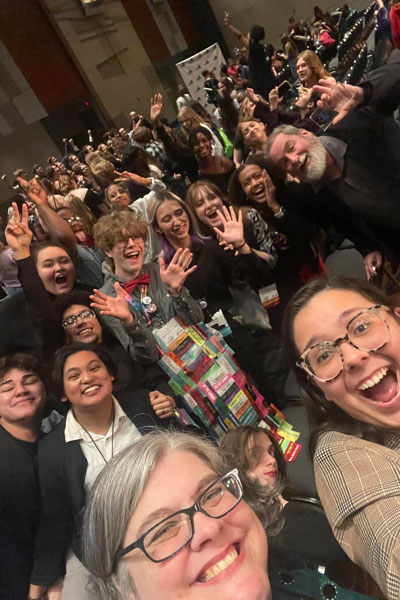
(71, 321)
(367, 331)
(168, 537)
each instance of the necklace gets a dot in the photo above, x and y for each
(112, 440)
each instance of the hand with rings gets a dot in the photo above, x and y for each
(163, 405)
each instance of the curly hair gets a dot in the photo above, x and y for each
(111, 229)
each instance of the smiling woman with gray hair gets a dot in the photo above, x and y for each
(166, 515)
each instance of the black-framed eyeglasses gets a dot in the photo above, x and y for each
(367, 331)
(71, 321)
(168, 537)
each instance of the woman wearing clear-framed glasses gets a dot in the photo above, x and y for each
(343, 340)
(167, 517)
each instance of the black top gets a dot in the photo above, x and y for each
(219, 179)
(218, 268)
(306, 539)
(261, 76)
(62, 471)
(19, 507)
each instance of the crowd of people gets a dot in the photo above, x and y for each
(104, 493)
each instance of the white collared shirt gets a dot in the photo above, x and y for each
(125, 433)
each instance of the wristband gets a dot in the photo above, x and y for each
(241, 246)
(280, 213)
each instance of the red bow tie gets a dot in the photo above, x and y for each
(130, 286)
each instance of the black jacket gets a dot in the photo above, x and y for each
(217, 269)
(62, 470)
(366, 199)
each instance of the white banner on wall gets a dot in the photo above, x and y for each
(190, 69)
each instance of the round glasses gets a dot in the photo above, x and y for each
(71, 321)
(367, 331)
(168, 537)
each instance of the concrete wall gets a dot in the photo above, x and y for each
(109, 55)
(272, 14)
(23, 139)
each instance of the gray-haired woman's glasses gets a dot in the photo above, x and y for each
(367, 331)
(168, 537)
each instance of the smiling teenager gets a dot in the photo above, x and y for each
(179, 525)
(343, 338)
(97, 427)
(223, 262)
(137, 297)
(216, 169)
(81, 324)
(22, 403)
(46, 272)
(296, 557)
(207, 201)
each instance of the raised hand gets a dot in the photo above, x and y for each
(274, 99)
(18, 234)
(372, 262)
(270, 192)
(175, 274)
(226, 19)
(128, 176)
(117, 307)
(232, 227)
(341, 97)
(156, 105)
(252, 95)
(163, 405)
(37, 193)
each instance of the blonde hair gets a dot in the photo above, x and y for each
(191, 196)
(101, 168)
(313, 61)
(186, 112)
(83, 211)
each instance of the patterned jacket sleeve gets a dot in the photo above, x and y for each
(359, 486)
(262, 235)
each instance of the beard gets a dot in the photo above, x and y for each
(315, 169)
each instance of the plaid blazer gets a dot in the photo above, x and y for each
(359, 486)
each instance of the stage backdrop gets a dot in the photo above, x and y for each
(190, 69)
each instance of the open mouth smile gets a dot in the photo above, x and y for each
(258, 190)
(132, 255)
(61, 279)
(381, 387)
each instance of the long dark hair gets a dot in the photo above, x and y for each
(324, 415)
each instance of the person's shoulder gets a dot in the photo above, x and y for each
(54, 439)
(335, 443)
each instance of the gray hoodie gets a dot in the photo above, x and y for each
(137, 337)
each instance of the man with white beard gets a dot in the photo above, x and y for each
(354, 167)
